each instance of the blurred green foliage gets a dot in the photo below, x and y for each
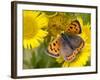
(86, 17)
(40, 59)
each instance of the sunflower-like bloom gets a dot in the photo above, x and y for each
(34, 24)
(56, 24)
(84, 56)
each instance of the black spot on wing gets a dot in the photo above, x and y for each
(55, 50)
(54, 44)
(71, 27)
(52, 54)
(56, 41)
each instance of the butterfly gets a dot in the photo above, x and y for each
(67, 44)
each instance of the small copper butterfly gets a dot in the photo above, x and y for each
(67, 44)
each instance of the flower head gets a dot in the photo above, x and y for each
(84, 56)
(34, 24)
(56, 24)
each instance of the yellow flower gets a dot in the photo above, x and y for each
(56, 24)
(33, 33)
(84, 55)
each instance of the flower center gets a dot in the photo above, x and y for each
(30, 27)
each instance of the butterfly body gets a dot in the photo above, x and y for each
(67, 45)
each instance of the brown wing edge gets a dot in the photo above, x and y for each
(52, 55)
(79, 25)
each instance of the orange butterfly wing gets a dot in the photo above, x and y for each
(54, 48)
(74, 28)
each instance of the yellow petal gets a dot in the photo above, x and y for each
(42, 21)
(33, 34)
(34, 43)
(25, 43)
(31, 13)
(81, 21)
(41, 33)
(65, 64)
